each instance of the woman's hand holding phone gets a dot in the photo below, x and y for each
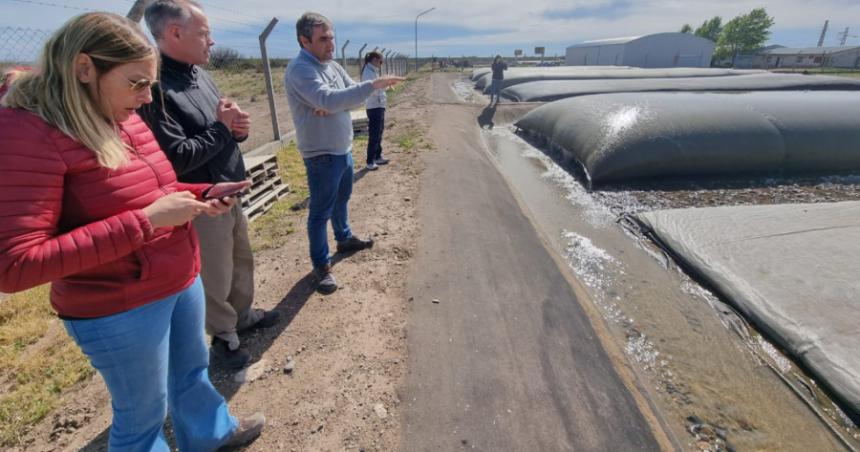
(221, 197)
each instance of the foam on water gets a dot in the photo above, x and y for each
(465, 90)
(642, 350)
(598, 208)
(595, 267)
(780, 361)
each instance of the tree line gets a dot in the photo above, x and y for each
(745, 33)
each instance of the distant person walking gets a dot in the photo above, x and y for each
(320, 94)
(375, 104)
(499, 67)
(200, 132)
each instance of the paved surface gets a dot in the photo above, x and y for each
(506, 357)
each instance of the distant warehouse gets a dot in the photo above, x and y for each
(844, 57)
(657, 50)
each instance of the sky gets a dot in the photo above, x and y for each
(467, 27)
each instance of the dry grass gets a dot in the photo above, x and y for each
(38, 361)
(246, 84)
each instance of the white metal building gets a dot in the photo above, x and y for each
(650, 51)
(844, 57)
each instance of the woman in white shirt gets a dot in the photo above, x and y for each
(375, 105)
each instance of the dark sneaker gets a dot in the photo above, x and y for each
(381, 161)
(354, 244)
(248, 430)
(267, 319)
(230, 359)
(326, 283)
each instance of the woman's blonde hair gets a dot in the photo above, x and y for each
(54, 93)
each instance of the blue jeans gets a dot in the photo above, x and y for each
(330, 185)
(153, 357)
(496, 90)
(375, 127)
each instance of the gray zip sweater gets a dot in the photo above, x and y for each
(311, 85)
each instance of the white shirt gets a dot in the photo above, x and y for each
(378, 99)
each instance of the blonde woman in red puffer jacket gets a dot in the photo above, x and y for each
(90, 204)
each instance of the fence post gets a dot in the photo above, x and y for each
(136, 11)
(387, 66)
(343, 54)
(360, 52)
(267, 72)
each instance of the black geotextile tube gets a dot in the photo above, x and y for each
(551, 90)
(788, 269)
(634, 136)
(515, 76)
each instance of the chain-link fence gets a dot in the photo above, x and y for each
(238, 72)
(21, 46)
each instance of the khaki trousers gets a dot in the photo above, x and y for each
(227, 270)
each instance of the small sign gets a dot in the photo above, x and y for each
(518, 52)
(539, 50)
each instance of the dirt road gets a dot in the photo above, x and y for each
(502, 353)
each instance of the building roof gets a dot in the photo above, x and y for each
(808, 50)
(614, 41)
(606, 42)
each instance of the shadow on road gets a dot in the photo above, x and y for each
(257, 342)
(485, 119)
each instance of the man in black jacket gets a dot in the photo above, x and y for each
(200, 131)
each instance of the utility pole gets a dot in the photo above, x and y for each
(416, 34)
(823, 32)
(843, 37)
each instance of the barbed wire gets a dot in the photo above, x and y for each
(21, 45)
(55, 5)
(232, 11)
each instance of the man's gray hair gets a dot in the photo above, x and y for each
(305, 25)
(161, 13)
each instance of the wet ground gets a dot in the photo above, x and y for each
(711, 372)
(718, 384)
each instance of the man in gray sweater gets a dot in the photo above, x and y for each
(321, 93)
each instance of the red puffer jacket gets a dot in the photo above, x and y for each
(65, 219)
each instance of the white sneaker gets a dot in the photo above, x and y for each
(372, 167)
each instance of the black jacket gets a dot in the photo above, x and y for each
(182, 117)
(498, 70)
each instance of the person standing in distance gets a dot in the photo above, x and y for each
(499, 67)
(199, 131)
(375, 107)
(320, 94)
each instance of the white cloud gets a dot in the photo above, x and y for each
(526, 21)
